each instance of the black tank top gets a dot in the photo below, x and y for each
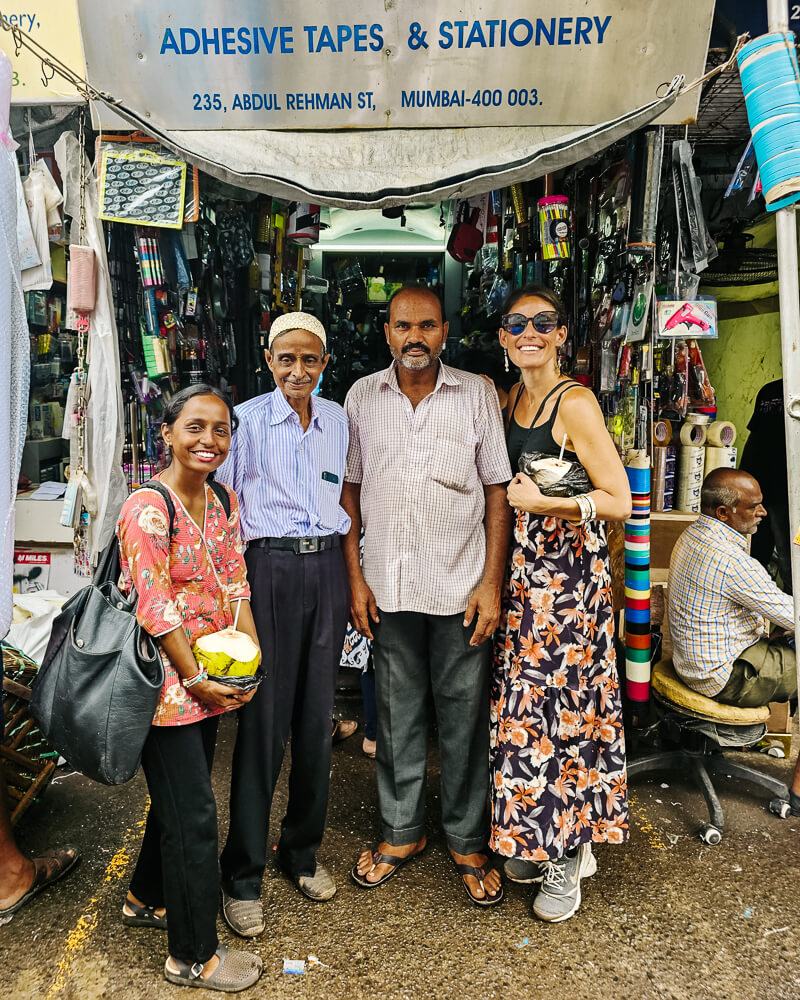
(533, 438)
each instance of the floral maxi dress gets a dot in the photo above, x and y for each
(557, 742)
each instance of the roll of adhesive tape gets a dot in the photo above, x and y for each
(693, 435)
(691, 460)
(722, 434)
(662, 433)
(721, 458)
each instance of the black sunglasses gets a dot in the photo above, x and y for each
(516, 323)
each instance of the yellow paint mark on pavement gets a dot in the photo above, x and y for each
(644, 825)
(80, 935)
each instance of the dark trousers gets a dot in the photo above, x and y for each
(300, 606)
(764, 672)
(410, 651)
(368, 697)
(177, 866)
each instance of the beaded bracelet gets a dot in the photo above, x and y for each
(198, 678)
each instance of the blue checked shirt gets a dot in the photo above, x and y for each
(717, 599)
(288, 481)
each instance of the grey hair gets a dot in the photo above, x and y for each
(715, 494)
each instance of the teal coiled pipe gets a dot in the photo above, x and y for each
(771, 85)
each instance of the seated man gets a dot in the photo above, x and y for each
(718, 598)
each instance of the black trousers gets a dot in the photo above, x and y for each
(177, 865)
(300, 606)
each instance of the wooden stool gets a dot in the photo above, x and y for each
(679, 705)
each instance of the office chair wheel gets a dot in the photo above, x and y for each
(710, 834)
(780, 807)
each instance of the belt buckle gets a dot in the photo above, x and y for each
(308, 545)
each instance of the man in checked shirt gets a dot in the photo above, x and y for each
(718, 598)
(427, 469)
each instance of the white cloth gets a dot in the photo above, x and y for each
(42, 198)
(14, 376)
(107, 489)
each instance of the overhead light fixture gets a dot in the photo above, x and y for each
(336, 247)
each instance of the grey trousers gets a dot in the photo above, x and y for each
(410, 650)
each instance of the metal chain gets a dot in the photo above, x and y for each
(81, 373)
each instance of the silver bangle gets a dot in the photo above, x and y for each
(199, 677)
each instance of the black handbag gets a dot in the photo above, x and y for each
(99, 683)
(98, 686)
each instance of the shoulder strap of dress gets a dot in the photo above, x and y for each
(555, 388)
(567, 387)
(516, 402)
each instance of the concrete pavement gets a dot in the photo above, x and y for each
(665, 918)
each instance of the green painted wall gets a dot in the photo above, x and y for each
(746, 355)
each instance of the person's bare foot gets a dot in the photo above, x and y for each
(372, 872)
(368, 747)
(159, 911)
(208, 969)
(17, 880)
(493, 882)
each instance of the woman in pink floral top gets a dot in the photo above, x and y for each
(189, 582)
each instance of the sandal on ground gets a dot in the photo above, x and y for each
(343, 729)
(134, 915)
(480, 874)
(381, 859)
(237, 970)
(47, 869)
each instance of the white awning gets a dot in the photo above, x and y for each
(379, 169)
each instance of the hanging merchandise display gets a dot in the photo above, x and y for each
(42, 197)
(14, 348)
(139, 186)
(771, 86)
(554, 227)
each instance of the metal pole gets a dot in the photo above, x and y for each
(789, 297)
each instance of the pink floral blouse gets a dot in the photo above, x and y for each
(189, 580)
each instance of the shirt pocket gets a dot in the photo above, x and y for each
(329, 505)
(453, 464)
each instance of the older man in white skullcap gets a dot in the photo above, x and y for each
(286, 465)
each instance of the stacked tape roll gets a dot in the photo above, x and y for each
(659, 476)
(662, 433)
(771, 86)
(691, 471)
(721, 458)
(693, 435)
(721, 434)
(637, 583)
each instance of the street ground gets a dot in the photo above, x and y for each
(665, 918)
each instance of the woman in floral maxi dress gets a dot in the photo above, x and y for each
(558, 747)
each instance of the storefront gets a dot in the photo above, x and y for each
(211, 213)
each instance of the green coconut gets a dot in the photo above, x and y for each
(228, 653)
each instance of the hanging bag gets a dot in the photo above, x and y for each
(100, 680)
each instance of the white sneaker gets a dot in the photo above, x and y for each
(560, 894)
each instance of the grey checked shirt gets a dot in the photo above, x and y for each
(422, 474)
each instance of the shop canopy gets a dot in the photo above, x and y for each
(378, 169)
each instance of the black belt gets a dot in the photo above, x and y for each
(300, 546)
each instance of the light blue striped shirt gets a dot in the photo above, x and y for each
(288, 481)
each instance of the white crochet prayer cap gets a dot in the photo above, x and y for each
(297, 321)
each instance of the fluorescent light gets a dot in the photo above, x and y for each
(378, 248)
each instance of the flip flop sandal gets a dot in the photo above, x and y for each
(237, 970)
(381, 859)
(142, 916)
(480, 874)
(44, 875)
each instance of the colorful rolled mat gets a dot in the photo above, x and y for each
(637, 585)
